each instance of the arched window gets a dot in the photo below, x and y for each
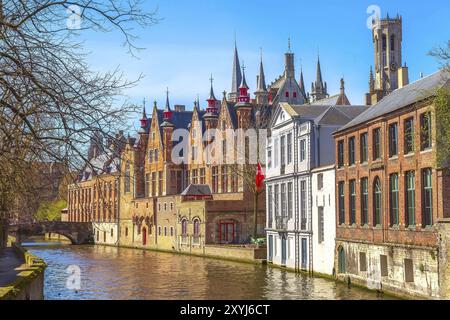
(376, 202)
(341, 260)
(184, 224)
(196, 227)
(392, 46)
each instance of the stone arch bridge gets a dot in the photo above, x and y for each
(76, 232)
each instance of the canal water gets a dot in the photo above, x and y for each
(120, 273)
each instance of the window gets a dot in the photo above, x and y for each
(194, 176)
(295, 94)
(393, 140)
(127, 181)
(283, 200)
(150, 156)
(289, 200)
(393, 199)
(341, 153)
(275, 202)
(126, 231)
(341, 202)
(269, 158)
(202, 176)
(269, 205)
(364, 147)
(234, 183)
(165, 231)
(289, 148)
(184, 224)
(362, 262)
(224, 179)
(321, 225)
(160, 186)
(376, 144)
(377, 202)
(409, 270)
(303, 150)
(392, 44)
(409, 135)
(410, 199)
(341, 260)
(425, 131)
(215, 179)
(282, 151)
(276, 152)
(147, 184)
(153, 183)
(224, 151)
(364, 201)
(303, 204)
(196, 227)
(287, 94)
(156, 155)
(351, 151)
(352, 187)
(320, 181)
(427, 198)
(112, 233)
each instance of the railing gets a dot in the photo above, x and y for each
(281, 222)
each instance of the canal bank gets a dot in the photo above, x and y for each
(148, 274)
(21, 274)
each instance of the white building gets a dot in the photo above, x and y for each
(323, 219)
(300, 140)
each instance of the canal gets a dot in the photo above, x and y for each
(120, 273)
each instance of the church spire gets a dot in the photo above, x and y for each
(319, 82)
(261, 93)
(167, 111)
(237, 76)
(144, 119)
(302, 82)
(261, 83)
(319, 87)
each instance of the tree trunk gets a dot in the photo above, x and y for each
(255, 214)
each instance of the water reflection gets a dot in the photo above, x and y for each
(120, 273)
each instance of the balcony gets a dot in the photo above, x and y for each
(281, 223)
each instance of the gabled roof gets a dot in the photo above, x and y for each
(197, 190)
(399, 98)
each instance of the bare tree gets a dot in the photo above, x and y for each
(247, 172)
(51, 104)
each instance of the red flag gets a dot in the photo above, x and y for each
(259, 178)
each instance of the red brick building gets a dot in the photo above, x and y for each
(390, 196)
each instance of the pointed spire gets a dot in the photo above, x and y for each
(342, 86)
(261, 83)
(319, 82)
(302, 82)
(244, 82)
(237, 76)
(167, 110)
(144, 113)
(211, 91)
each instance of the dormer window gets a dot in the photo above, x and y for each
(295, 94)
(287, 94)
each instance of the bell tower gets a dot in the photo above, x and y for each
(390, 73)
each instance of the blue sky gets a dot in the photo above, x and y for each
(195, 39)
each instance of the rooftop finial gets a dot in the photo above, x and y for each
(289, 44)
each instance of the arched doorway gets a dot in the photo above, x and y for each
(144, 236)
(341, 260)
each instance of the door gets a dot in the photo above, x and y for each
(283, 251)
(144, 236)
(304, 253)
(270, 244)
(227, 232)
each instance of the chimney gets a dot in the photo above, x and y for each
(403, 78)
(179, 108)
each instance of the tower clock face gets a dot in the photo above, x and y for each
(394, 66)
